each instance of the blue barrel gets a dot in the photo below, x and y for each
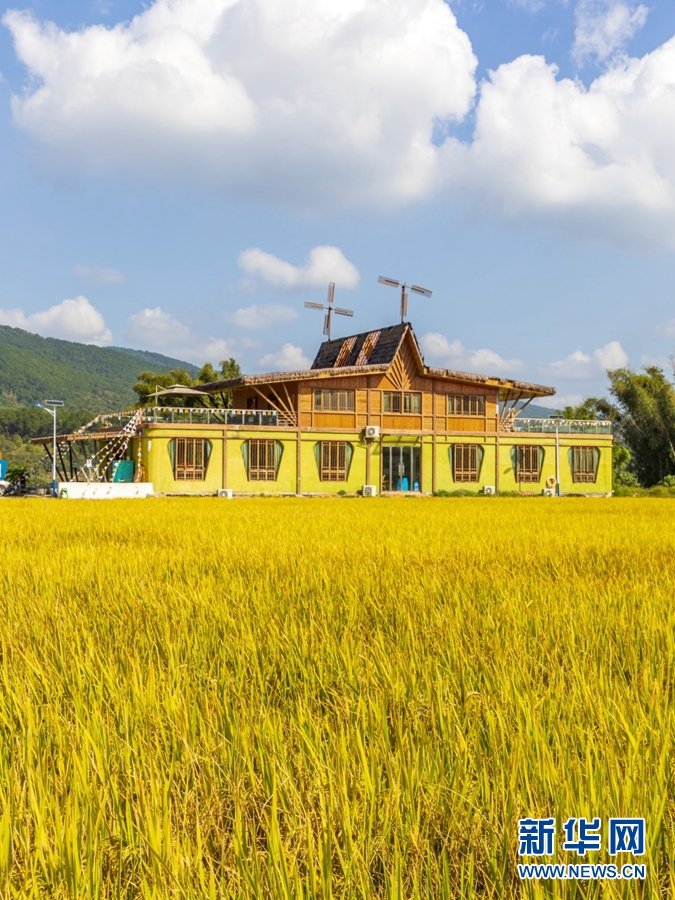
(3, 469)
(404, 484)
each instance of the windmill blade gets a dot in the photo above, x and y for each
(326, 324)
(314, 305)
(343, 312)
(331, 292)
(388, 281)
(420, 290)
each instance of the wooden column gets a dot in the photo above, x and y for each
(224, 458)
(422, 473)
(368, 443)
(497, 458)
(433, 439)
(298, 455)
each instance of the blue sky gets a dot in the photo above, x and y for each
(184, 180)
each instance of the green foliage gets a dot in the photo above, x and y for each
(460, 492)
(15, 472)
(643, 417)
(229, 368)
(149, 382)
(645, 421)
(19, 425)
(100, 378)
(30, 422)
(622, 473)
(589, 409)
(207, 374)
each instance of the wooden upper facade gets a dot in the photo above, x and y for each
(308, 431)
(380, 378)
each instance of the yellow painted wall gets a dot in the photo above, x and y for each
(237, 476)
(427, 466)
(310, 473)
(444, 479)
(603, 482)
(157, 462)
(375, 465)
(158, 469)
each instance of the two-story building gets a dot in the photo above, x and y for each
(370, 412)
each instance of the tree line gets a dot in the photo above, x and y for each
(18, 424)
(642, 412)
(150, 382)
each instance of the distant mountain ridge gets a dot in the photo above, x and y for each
(83, 376)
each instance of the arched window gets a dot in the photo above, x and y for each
(189, 458)
(262, 458)
(333, 459)
(466, 461)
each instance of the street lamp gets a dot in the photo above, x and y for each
(557, 419)
(52, 413)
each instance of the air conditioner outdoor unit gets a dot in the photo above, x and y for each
(369, 490)
(549, 492)
(372, 431)
(489, 489)
(226, 493)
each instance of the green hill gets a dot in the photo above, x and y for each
(86, 377)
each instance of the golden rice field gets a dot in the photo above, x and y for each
(287, 698)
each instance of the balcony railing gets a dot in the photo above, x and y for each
(562, 426)
(212, 416)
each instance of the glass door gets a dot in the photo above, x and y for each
(401, 467)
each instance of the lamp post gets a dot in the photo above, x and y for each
(557, 454)
(50, 407)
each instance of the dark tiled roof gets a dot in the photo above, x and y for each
(383, 352)
(382, 356)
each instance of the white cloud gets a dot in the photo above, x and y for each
(155, 329)
(99, 275)
(531, 6)
(309, 101)
(663, 362)
(604, 27)
(611, 356)
(318, 104)
(583, 365)
(666, 330)
(70, 320)
(597, 162)
(257, 318)
(454, 355)
(289, 359)
(323, 264)
(560, 402)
